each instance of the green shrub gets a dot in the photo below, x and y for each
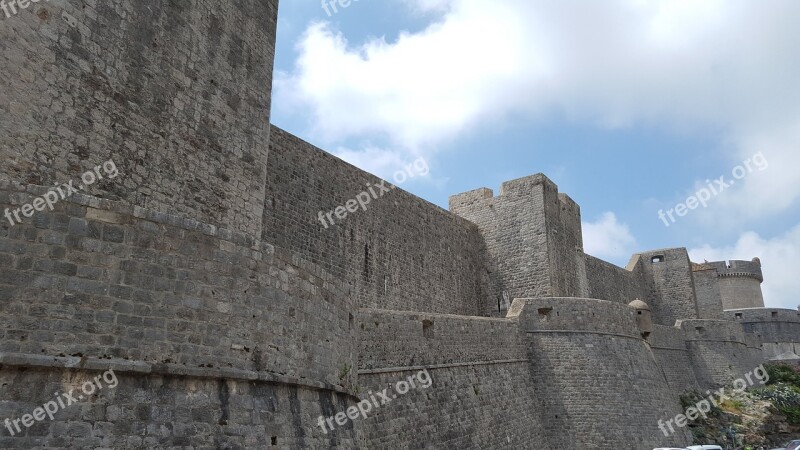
(692, 398)
(783, 373)
(785, 398)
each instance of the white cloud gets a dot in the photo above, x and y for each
(686, 65)
(778, 256)
(433, 5)
(680, 65)
(607, 238)
(384, 163)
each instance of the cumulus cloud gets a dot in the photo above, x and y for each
(687, 65)
(386, 164)
(432, 5)
(607, 238)
(778, 255)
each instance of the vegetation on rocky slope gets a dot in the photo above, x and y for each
(767, 416)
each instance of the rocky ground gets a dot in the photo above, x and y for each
(767, 416)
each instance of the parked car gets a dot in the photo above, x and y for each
(793, 445)
(670, 448)
(704, 447)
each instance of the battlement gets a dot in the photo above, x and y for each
(568, 314)
(518, 186)
(734, 268)
(532, 233)
(747, 315)
(470, 197)
(524, 185)
(711, 330)
(569, 203)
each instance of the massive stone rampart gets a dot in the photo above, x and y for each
(176, 93)
(482, 392)
(778, 330)
(210, 322)
(719, 350)
(669, 347)
(609, 282)
(590, 363)
(400, 253)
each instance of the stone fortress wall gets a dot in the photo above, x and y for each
(177, 93)
(399, 253)
(481, 380)
(208, 330)
(585, 354)
(234, 318)
(777, 330)
(673, 356)
(217, 337)
(719, 350)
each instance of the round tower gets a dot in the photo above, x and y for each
(740, 284)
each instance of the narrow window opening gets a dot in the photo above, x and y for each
(427, 329)
(657, 259)
(366, 261)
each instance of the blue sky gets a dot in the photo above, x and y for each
(629, 106)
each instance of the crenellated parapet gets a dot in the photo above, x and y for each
(737, 283)
(533, 240)
(736, 268)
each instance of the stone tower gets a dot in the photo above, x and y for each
(533, 238)
(176, 93)
(739, 283)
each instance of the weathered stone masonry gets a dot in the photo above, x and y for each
(234, 319)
